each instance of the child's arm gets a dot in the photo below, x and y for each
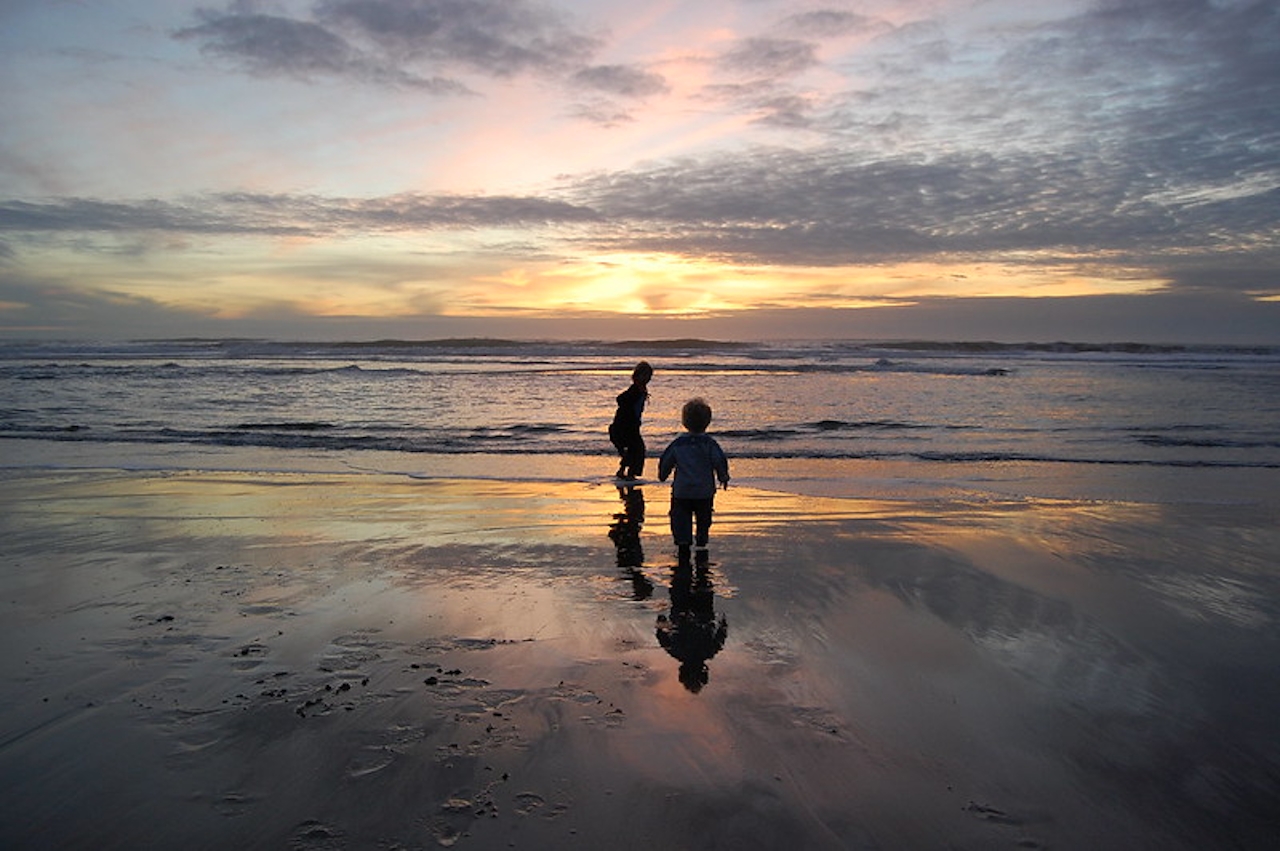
(665, 463)
(721, 463)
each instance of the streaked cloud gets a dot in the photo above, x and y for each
(623, 80)
(769, 57)
(688, 159)
(832, 23)
(269, 45)
(413, 43)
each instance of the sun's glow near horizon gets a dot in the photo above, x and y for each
(681, 160)
(661, 285)
(403, 278)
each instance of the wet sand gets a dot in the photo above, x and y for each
(222, 660)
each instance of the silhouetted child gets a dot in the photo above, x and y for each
(625, 533)
(698, 461)
(624, 431)
(692, 633)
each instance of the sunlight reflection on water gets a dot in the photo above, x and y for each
(1044, 651)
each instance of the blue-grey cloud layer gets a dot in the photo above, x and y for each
(1140, 134)
(415, 44)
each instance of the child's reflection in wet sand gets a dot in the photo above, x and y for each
(692, 633)
(625, 534)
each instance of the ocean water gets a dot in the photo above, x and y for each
(1060, 418)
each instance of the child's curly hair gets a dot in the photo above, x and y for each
(696, 415)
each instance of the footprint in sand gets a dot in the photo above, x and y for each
(990, 814)
(528, 802)
(249, 656)
(384, 748)
(313, 835)
(234, 804)
(997, 816)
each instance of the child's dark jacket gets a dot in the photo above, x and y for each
(698, 462)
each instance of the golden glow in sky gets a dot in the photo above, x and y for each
(244, 168)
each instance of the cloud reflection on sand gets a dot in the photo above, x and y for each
(379, 660)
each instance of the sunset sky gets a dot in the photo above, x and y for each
(953, 169)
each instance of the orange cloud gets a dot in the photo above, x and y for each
(667, 286)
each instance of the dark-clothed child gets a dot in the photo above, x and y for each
(624, 431)
(698, 462)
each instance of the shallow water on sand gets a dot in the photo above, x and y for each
(326, 660)
(933, 405)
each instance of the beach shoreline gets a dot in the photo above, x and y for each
(856, 478)
(325, 660)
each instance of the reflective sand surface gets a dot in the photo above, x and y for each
(325, 661)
